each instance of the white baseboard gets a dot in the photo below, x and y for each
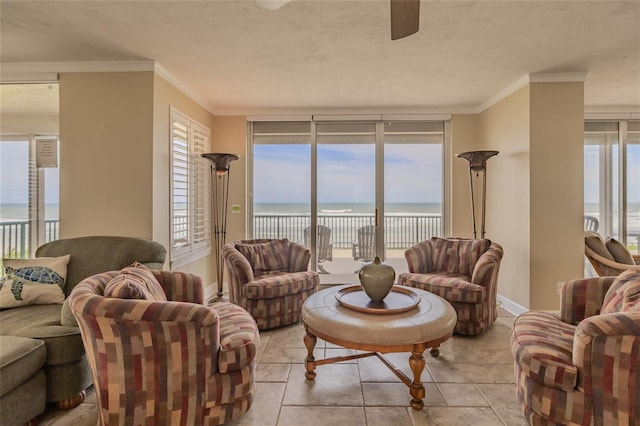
(511, 306)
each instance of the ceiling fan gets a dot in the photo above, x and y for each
(405, 15)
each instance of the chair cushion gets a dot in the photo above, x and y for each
(626, 285)
(457, 255)
(266, 257)
(543, 348)
(37, 281)
(239, 338)
(594, 241)
(20, 358)
(452, 287)
(620, 252)
(135, 282)
(280, 285)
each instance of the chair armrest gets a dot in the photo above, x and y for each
(181, 286)
(238, 267)
(299, 257)
(606, 350)
(485, 271)
(580, 299)
(418, 258)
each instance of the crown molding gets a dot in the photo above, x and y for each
(83, 66)
(175, 82)
(560, 77)
(557, 77)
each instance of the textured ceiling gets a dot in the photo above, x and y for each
(338, 55)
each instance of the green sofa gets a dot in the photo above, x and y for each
(65, 368)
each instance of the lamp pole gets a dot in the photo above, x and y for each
(219, 209)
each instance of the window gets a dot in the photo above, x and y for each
(28, 197)
(190, 190)
(612, 179)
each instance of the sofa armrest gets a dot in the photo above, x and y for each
(418, 258)
(582, 298)
(485, 271)
(606, 350)
(299, 257)
(181, 286)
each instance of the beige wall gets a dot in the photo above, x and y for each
(105, 154)
(534, 189)
(464, 134)
(230, 136)
(557, 147)
(504, 127)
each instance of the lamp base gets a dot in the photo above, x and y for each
(220, 297)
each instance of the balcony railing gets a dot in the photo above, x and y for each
(401, 231)
(15, 237)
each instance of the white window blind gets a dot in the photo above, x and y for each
(190, 189)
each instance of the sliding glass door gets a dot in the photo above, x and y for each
(349, 191)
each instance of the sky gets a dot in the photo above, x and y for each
(14, 175)
(346, 173)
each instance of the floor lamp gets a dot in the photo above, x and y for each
(478, 163)
(219, 203)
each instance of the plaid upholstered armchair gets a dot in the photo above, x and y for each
(464, 272)
(580, 367)
(270, 279)
(158, 355)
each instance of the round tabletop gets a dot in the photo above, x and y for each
(432, 319)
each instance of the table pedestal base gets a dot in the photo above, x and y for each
(416, 361)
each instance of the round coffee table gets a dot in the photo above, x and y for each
(426, 325)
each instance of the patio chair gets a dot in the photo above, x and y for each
(324, 248)
(608, 258)
(591, 223)
(364, 249)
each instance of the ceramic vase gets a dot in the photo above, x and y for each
(377, 279)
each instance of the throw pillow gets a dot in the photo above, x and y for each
(594, 241)
(135, 282)
(626, 285)
(266, 257)
(38, 281)
(619, 252)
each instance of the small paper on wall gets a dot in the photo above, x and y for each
(46, 153)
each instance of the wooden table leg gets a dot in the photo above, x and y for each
(310, 361)
(435, 351)
(416, 388)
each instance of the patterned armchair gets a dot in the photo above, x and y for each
(270, 279)
(581, 367)
(165, 362)
(464, 272)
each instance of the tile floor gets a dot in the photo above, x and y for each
(471, 383)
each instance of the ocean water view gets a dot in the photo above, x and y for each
(345, 208)
(18, 212)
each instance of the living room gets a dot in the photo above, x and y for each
(525, 89)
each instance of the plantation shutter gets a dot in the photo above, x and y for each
(190, 186)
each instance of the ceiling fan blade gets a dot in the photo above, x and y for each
(405, 18)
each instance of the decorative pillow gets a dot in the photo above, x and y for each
(594, 241)
(38, 281)
(619, 252)
(267, 257)
(135, 282)
(626, 286)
